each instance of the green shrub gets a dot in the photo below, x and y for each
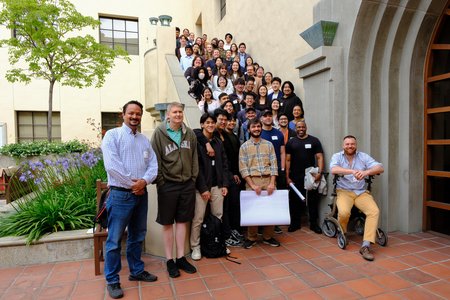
(63, 197)
(38, 148)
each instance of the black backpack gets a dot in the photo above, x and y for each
(102, 214)
(212, 242)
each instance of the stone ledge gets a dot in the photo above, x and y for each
(55, 247)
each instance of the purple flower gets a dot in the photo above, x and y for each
(38, 180)
(39, 165)
(89, 159)
(29, 175)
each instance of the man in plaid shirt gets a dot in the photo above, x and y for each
(258, 166)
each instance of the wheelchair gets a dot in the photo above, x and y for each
(332, 228)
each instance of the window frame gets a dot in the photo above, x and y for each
(56, 126)
(114, 34)
(109, 115)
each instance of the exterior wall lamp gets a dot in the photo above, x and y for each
(153, 20)
(165, 20)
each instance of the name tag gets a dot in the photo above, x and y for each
(235, 102)
(274, 138)
(307, 146)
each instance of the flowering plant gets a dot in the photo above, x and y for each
(58, 194)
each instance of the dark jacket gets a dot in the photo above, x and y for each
(237, 103)
(204, 179)
(196, 86)
(287, 105)
(189, 74)
(271, 96)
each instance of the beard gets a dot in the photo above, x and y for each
(349, 152)
(256, 134)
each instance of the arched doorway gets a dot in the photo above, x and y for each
(437, 129)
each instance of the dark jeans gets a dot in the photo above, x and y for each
(296, 206)
(231, 218)
(125, 209)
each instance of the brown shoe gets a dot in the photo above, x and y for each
(365, 252)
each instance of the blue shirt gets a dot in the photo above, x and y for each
(128, 156)
(277, 139)
(242, 57)
(186, 62)
(361, 161)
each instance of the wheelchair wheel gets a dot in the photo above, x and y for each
(342, 241)
(329, 228)
(359, 226)
(382, 238)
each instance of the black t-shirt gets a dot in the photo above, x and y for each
(303, 155)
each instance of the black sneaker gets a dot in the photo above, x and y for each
(316, 229)
(172, 269)
(272, 242)
(144, 276)
(278, 230)
(293, 228)
(184, 265)
(248, 244)
(114, 290)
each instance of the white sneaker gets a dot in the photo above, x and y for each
(196, 254)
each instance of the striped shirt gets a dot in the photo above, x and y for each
(257, 159)
(128, 156)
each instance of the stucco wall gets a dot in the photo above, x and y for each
(126, 81)
(380, 94)
(270, 30)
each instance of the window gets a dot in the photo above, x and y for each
(436, 201)
(110, 121)
(223, 8)
(32, 126)
(120, 33)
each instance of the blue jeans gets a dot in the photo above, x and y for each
(125, 209)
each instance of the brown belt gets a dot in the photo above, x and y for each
(260, 176)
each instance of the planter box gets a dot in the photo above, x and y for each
(55, 247)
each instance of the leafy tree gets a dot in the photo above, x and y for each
(45, 46)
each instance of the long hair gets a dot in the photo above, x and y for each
(205, 106)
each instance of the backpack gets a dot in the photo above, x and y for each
(102, 214)
(212, 243)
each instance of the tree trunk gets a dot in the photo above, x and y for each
(50, 110)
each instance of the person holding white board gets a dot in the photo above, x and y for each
(258, 167)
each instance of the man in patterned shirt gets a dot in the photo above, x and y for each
(258, 167)
(131, 165)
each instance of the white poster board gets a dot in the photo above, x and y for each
(264, 209)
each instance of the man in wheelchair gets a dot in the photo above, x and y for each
(355, 166)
